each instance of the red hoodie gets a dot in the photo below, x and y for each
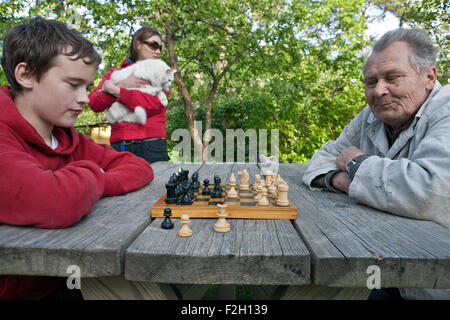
(155, 127)
(53, 189)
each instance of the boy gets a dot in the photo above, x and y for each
(51, 174)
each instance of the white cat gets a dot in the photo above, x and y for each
(160, 76)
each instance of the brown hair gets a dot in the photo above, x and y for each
(142, 34)
(38, 42)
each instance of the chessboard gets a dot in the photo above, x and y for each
(242, 207)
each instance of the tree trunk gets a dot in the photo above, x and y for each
(190, 116)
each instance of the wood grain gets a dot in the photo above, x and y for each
(345, 238)
(253, 252)
(96, 244)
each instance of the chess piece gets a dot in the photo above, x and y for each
(167, 223)
(195, 182)
(258, 193)
(171, 197)
(206, 191)
(282, 199)
(222, 225)
(272, 188)
(187, 195)
(268, 182)
(185, 231)
(243, 183)
(232, 192)
(257, 181)
(217, 191)
(263, 201)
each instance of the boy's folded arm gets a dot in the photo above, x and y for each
(124, 172)
(31, 195)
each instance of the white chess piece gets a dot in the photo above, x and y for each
(263, 201)
(282, 199)
(222, 225)
(232, 192)
(268, 182)
(258, 193)
(243, 183)
(185, 231)
(257, 180)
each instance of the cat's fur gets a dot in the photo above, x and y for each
(160, 76)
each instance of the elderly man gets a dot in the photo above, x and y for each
(395, 154)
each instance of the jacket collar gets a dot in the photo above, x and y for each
(377, 132)
(9, 115)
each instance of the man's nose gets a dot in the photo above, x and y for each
(381, 88)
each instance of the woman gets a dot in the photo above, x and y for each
(149, 140)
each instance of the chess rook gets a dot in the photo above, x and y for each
(282, 199)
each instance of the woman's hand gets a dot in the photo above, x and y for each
(131, 82)
(111, 88)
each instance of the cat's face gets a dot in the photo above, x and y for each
(157, 72)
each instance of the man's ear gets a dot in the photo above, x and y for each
(24, 76)
(431, 76)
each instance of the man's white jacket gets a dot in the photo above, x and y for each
(412, 177)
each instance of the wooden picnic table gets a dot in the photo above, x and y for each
(325, 253)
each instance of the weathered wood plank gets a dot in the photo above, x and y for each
(253, 252)
(345, 238)
(96, 244)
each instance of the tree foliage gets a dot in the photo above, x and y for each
(289, 65)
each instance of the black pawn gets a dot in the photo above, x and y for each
(206, 191)
(167, 223)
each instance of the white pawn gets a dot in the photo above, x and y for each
(263, 201)
(272, 188)
(185, 231)
(258, 193)
(282, 199)
(222, 225)
(268, 181)
(257, 180)
(232, 193)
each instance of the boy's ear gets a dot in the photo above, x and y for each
(23, 76)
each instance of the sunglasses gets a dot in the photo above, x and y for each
(152, 44)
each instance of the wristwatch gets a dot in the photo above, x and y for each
(352, 163)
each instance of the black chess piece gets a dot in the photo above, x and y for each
(206, 191)
(187, 195)
(167, 223)
(195, 182)
(171, 196)
(217, 191)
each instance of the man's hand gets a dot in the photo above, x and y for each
(341, 181)
(346, 155)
